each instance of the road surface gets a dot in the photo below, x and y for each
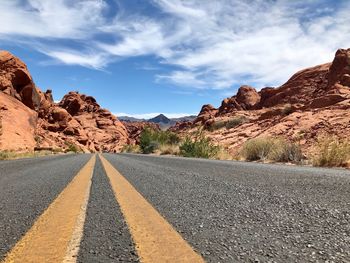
(135, 208)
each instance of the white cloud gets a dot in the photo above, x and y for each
(51, 19)
(71, 57)
(154, 114)
(211, 44)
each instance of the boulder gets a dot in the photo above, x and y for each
(247, 97)
(340, 67)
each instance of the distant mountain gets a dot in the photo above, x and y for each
(161, 118)
(185, 118)
(130, 119)
(163, 121)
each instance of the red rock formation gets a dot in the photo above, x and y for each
(340, 69)
(16, 81)
(30, 118)
(207, 112)
(313, 101)
(247, 98)
(79, 120)
(17, 125)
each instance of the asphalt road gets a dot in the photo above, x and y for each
(27, 187)
(226, 211)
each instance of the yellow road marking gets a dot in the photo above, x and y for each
(155, 239)
(52, 235)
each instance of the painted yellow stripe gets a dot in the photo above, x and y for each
(50, 238)
(155, 239)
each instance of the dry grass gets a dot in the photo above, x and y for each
(130, 148)
(228, 124)
(272, 149)
(332, 152)
(10, 155)
(168, 149)
(224, 155)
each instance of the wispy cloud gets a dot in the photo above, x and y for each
(211, 44)
(51, 19)
(95, 60)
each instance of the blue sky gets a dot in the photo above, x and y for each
(169, 56)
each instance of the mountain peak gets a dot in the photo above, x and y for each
(161, 118)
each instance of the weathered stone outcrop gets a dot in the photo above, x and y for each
(30, 119)
(16, 81)
(78, 119)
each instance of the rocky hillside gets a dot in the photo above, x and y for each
(29, 118)
(313, 102)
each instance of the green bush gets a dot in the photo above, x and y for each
(150, 140)
(332, 152)
(200, 147)
(71, 147)
(274, 149)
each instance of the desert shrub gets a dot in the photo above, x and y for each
(283, 151)
(4, 155)
(288, 109)
(71, 147)
(130, 148)
(274, 149)
(231, 123)
(150, 140)
(57, 150)
(38, 139)
(257, 149)
(223, 154)
(169, 149)
(235, 122)
(216, 125)
(199, 146)
(332, 152)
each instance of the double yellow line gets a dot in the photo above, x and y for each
(56, 235)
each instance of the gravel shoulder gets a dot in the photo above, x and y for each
(248, 212)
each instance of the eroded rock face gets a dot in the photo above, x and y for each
(301, 88)
(17, 125)
(207, 112)
(247, 98)
(313, 101)
(30, 118)
(340, 69)
(79, 120)
(16, 81)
